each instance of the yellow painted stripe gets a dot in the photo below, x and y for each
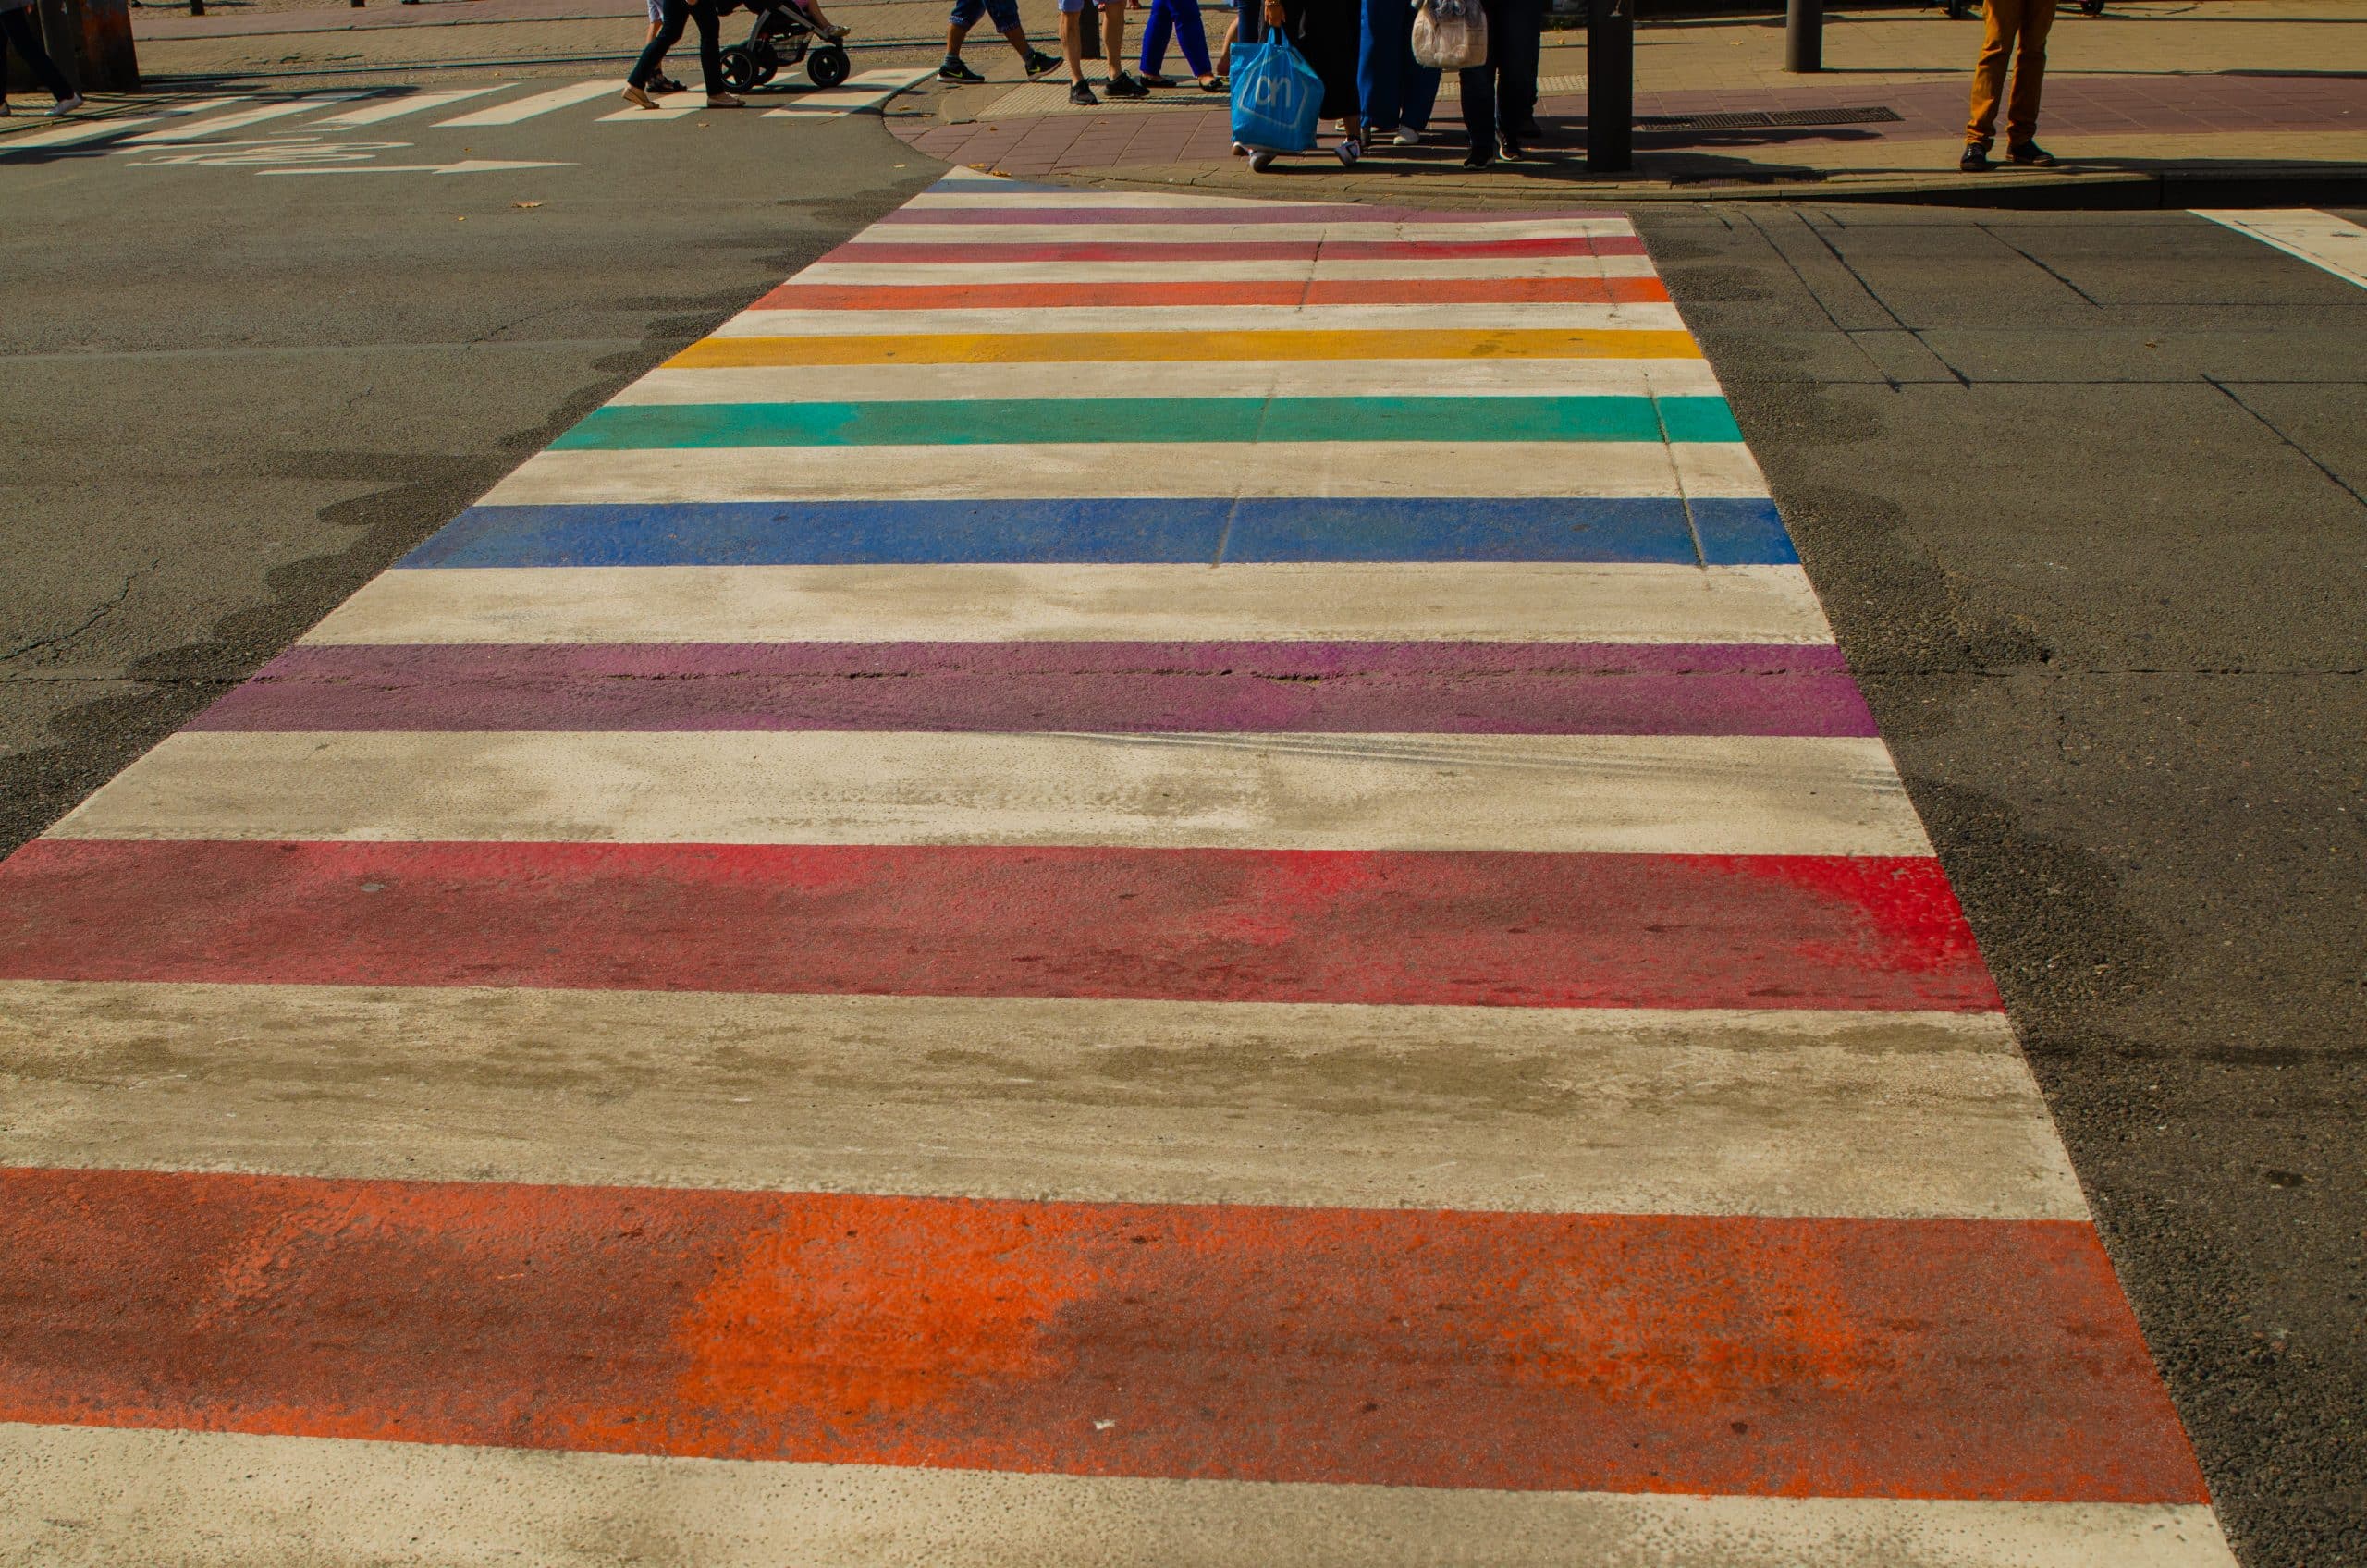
(994, 348)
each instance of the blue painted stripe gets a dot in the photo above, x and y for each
(1641, 529)
(1742, 533)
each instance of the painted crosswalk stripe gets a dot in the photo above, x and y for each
(1461, 601)
(1182, 378)
(2329, 243)
(1231, 246)
(354, 1503)
(1052, 345)
(194, 130)
(1104, 688)
(395, 106)
(521, 109)
(94, 130)
(1322, 269)
(1682, 795)
(1534, 1110)
(866, 89)
(1506, 318)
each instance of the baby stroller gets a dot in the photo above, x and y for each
(783, 36)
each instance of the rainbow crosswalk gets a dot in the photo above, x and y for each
(1127, 879)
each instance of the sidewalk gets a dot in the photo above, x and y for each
(2234, 100)
(2225, 103)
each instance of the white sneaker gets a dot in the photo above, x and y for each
(66, 105)
(1407, 137)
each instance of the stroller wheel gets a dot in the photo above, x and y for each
(827, 65)
(739, 70)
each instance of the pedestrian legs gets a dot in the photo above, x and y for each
(1183, 19)
(1478, 88)
(669, 32)
(1524, 42)
(2017, 36)
(17, 32)
(1394, 89)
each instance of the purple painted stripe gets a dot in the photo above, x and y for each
(1445, 688)
(1279, 213)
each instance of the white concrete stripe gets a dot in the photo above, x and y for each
(1250, 270)
(867, 90)
(1604, 794)
(220, 1500)
(194, 130)
(1177, 378)
(526, 108)
(2332, 244)
(1128, 468)
(96, 128)
(1540, 1109)
(987, 235)
(859, 322)
(1461, 601)
(377, 111)
(631, 113)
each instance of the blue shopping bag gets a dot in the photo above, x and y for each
(1277, 97)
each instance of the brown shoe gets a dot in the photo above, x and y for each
(639, 99)
(725, 101)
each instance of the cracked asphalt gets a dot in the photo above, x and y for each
(2082, 494)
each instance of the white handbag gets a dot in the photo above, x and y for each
(1450, 35)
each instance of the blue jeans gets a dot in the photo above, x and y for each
(1395, 90)
(1183, 19)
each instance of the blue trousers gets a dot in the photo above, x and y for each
(1181, 17)
(1395, 90)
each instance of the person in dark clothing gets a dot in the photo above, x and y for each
(704, 13)
(1396, 89)
(21, 32)
(1328, 33)
(1499, 97)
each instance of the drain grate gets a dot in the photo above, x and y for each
(1764, 120)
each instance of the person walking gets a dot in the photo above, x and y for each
(2016, 31)
(1181, 17)
(658, 80)
(1326, 34)
(1500, 93)
(669, 31)
(20, 30)
(1113, 49)
(1395, 90)
(1005, 15)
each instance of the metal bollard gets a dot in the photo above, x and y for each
(1611, 87)
(1804, 36)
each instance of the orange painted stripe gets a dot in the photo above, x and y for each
(1624, 1353)
(1276, 291)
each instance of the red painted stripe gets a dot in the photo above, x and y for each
(1629, 1354)
(1277, 291)
(1234, 251)
(1507, 929)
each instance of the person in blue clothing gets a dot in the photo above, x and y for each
(1397, 91)
(1181, 17)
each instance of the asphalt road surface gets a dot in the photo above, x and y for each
(2083, 494)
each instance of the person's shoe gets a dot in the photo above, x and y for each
(1216, 84)
(1512, 152)
(1975, 159)
(835, 32)
(1082, 95)
(1350, 150)
(1260, 161)
(1407, 135)
(1478, 157)
(954, 70)
(4, 110)
(1152, 78)
(1240, 151)
(666, 84)
(725, 101)
(1123, 86)
(66, 105)
(1041, 64)
(2031, 154)
(639, 99)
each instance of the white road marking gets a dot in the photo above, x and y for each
(539, 103)
(466, 166)
(2326, 241)
(239, 121)
(379, 110)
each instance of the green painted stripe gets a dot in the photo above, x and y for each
(1011, 421)
(1698, 418)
